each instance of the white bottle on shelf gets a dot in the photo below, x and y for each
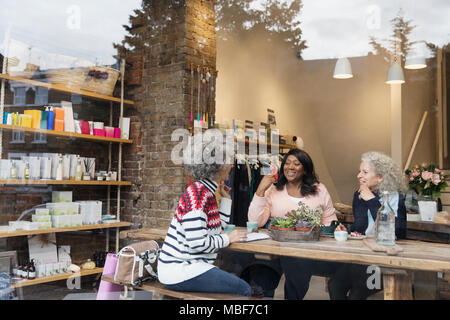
(59, 168)
(78, 171)
(13, 171)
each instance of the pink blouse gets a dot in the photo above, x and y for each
(278, 203)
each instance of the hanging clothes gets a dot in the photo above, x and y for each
(241, 195)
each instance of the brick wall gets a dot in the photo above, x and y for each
(176, 33)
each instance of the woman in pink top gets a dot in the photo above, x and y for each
(275, 198)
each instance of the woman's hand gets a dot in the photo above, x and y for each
(365, 193)
(340, 227)
(265, 184)
(237, 235)
(224, 190)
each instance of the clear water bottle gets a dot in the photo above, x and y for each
(385, 223)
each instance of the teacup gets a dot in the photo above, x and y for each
(229, 228)
(341, 235)
(252, 226)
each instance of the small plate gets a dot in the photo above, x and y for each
(357, 237)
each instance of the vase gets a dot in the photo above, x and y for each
(427, 208)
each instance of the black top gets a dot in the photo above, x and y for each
(361, 206)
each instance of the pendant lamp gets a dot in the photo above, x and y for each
(395, 74)
(415, 63)
(343, 69)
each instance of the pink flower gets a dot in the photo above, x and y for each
(416, 166)
(426, 175)
(415, 173)
(411, 179)
(437, 170)
(436, 179)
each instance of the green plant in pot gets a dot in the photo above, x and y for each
(283, 224)
(306, 217)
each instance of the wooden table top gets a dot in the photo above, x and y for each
(416, 255)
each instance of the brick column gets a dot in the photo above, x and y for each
(169, 34)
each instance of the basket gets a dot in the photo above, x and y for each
(295, 236)
(85, 78)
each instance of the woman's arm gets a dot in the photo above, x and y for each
(196, 233)
(359, 214)
(329, 212)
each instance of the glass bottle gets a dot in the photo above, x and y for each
(385, 223)
(31, 270)
(26, 173)
(78, 171)
(13, 171)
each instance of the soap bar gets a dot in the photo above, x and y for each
(88, 265)
(74, 268)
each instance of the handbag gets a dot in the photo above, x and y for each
(136, 263)
(328, 231)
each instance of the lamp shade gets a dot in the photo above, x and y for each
(343, 69)
(415, 63)
(395, 74)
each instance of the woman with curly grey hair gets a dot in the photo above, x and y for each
(186, 260)
(377, 173)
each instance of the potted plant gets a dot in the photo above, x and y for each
(427, 181)
(283, 224)
(305, 217)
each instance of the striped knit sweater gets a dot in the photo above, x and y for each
(194, 236)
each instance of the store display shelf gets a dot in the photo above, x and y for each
(246, 140)
(68, 135)
(18, 233)
(63, 276)
(64, 182)
(64, 89)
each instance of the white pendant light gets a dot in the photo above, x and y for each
(395, 74)
(343, 69)
(415, 63)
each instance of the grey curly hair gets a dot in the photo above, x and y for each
(384, 166)
(200, 159)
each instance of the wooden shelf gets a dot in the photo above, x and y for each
(64, 89)
(246, 140)
(67, 134)
(19, 233)
(67, 182)
(58, 277)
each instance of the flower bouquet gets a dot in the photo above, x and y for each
(427, 180)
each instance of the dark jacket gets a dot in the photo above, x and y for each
(361, 222)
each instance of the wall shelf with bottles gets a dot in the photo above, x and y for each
(64, 182)
(19, 233)
(63, 276)
(84, 93)
(105, 145)
(64, 134)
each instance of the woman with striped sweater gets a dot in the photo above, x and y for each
(195, 236)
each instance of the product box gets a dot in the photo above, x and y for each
(91, 211)
(62, 196)
(41, 212)
(64, 254)
(5, 168)
(41, 218)
(67, 221)
(44, 225)
(125, 128)
(42, 248)
(63, 208)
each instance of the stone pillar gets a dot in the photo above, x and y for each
(168, 35)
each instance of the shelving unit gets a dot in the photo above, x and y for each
(65, 182)
(19, 233)
(69, 136)
(58, 277)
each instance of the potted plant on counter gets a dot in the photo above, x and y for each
(283, 224)
(305, 217)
